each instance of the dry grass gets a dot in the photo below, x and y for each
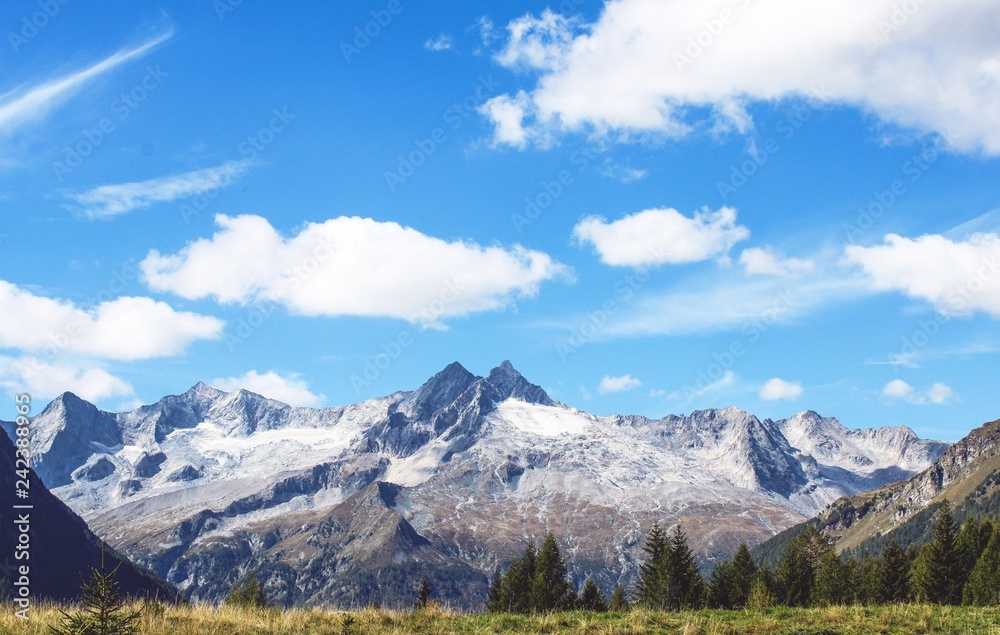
(205, 620)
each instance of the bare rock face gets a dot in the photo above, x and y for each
(345, 505)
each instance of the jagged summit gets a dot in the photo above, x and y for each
(510, 383)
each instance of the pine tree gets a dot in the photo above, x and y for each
(550, 585)
(797, 567)
(983, 587)
(833, 581)
(893, 575)
(760, 596)
(104, 611)
(685, 587)
(591, 599)
(247, 594)
(619, 600)
(744, 572)
(935, 573)
(423, 595)
(722, 586)
(967, 550)
(651, 591)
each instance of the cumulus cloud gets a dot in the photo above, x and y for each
(958, 278)
(290, 389)
(108, 201)
(611, 384)
(350, 266)
(652, 66)
(765, 261)
(938, 394)
(778, 389)
(662, 236)
(45, 380)
(128, 328)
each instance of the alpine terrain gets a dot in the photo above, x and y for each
(350, 505)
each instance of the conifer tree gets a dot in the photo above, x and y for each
(797, 567)
(760, 596)
(423, 595)
(893, 575)
(591, 598)
(722, 586)
(967, 550)
(936, 571)
(619, 600)
(550, 586)
(983, 587)
(104, 611)
(833, 581)
(744, 572)
(247, 594)
(651, 588)
(685, 587)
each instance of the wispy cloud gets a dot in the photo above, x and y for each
(108, 201)
(443, 42)
(28, 104)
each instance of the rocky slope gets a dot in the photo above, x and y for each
(61, 548)
(967, 475)
(445, 481)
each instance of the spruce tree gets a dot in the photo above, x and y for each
(760, 596)
(744, 573)
(893, 575)
(550, 585)
(619, 600)
(591, 598)
(247, 594)
(651, 591)
(423, 595)
(685, 587)
(936, 572)
(797, 567)
(722, 586)
(967, 550)
(104, 611)
(983, 587)
(833, 585)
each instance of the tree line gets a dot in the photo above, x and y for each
(958, 566)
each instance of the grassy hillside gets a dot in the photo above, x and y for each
(893, 620)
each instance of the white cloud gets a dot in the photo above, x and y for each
(662, 236)
(351, 266)
(45, 380)
(651, 65)
(938, 394)
(128, 328)
(289, 389)
(443, 42)
(26, 105)
(779, 389)
(957, 278)
(507, 114)
(898, 389)
(107, 201)
(767, 262)
(540, 43)
(611, 385)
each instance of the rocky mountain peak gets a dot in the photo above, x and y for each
(509, 383)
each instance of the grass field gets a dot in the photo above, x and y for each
(902, 620)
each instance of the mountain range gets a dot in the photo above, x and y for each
(350, 505)
(967, 475)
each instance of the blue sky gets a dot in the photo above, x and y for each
(648, 206)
